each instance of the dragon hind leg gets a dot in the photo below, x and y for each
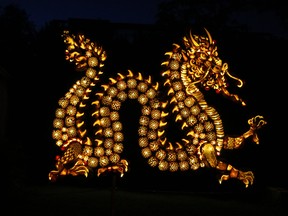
(120, 167)
(230, 172)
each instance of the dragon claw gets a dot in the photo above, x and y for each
(246, 177)
(257, 122)
(121, 167)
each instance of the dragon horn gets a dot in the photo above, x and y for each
(193, 40)
(209, 36)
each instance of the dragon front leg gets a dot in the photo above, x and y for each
(255, 124)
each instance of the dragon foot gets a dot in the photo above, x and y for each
(120, 167)
(255, 123)
(79, 168)
(246, 177)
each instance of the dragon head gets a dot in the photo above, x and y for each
(203, 66)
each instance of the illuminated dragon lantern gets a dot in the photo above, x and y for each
(88, 128)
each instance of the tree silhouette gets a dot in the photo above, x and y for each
(16, 58)
(218, 15)
(16, 39)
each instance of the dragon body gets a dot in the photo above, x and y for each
(94, 141)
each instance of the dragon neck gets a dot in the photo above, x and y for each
(189, 103)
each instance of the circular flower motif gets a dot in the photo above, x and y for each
(156, 114)
(177, 86)
(171, 156)
(154, 146)
(185, 112)
(105, 122)
(117, 126)
(104, 111)
(115, 105)
(104, 161)
(153, 124)
(191, 120)
(87, 151)
(80, 91)
(63, 102)
(133, 94)
(92, 162)
(146, 152)
(163, 165)
(71, 132)
(122, 96)
(189, 101)
(118, 136)
(203, 117)
(161, 154)
(146, 110)
(143, 142)
(195, 110)
(152, 161)
(142, 131)
(173, 166)
(184, 166)
(99, 151)
(118, 148)
(174, 65)
(57, 134)
(71, 110)
(193, 162)
(209, 126)
(142, 87)
(85, 81)
(112, 91)
(60, 113)
(152, 135)
(58, 123)
(108, 143)
(114, 158)
(121, 85)
(144, 120)
(132, 83)
(181, 155)
(151, 93)
(108, 132)
(93, 61)
(114, 116)
(142, 99)
(180, 95)
(106, 100)
(175, 75)
(74, 100)
(91, 73)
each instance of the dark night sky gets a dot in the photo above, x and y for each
(125, 11)
(128, 11)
